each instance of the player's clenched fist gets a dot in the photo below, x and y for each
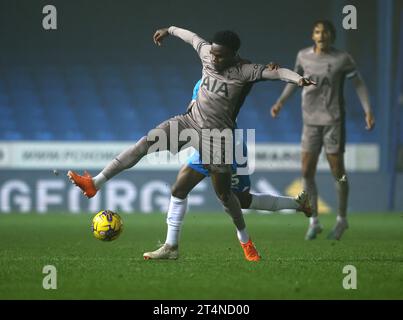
(370, 120)
(275, 109)
(159, 35)
(273, 66)
(306, 82)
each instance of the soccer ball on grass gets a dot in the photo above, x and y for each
(107, 225)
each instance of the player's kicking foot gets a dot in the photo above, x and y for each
(304, 204)
(251, 254)
(165, 252)
(313, 230)
(338, 230)
(84, 182)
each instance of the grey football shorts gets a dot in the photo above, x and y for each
(216, 153)
(331, 137)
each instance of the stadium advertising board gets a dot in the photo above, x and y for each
(95, 155)
(28, 182)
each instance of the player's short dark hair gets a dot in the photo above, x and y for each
(227, 39)
(328, 25)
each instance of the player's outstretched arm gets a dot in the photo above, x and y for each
(286, 75)
(186, 35)
(289, 76)
(363, 95)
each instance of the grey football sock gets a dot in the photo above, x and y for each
(342, 193)
(309, 185)
(269, 202)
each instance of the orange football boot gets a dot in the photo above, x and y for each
(251, 254)
(84, 182)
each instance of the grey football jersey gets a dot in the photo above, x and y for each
(221, 94)
(324, 104)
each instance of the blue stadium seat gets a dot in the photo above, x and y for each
(122, 102)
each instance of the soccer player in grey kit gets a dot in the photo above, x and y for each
(225, 83)
(323, 117)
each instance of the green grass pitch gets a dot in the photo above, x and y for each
(211, 263)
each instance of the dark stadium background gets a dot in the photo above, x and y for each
(74, 97)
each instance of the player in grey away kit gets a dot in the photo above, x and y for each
(225, 82)
(323, 117)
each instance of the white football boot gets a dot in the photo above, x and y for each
(164, 252)
(313, 230)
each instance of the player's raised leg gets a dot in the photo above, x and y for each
(125, 160)
(186, 180)
(269, 202)
(265, 201)
(336, 163)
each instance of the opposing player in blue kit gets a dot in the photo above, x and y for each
(193, 173)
